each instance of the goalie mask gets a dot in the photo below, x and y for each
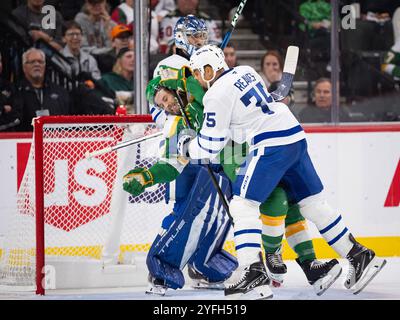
(190, 33)
(208, 55)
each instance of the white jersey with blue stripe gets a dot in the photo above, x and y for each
(239, 107)
(175, 61)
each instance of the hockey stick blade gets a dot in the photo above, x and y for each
(289, 71)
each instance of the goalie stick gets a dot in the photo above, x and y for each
(289, 71)
(210, 172)
(127, 143)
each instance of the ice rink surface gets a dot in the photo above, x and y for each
(385, 286)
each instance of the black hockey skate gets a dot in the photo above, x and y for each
(275, 267)
(253, 284)
(321, 275)
(156, 286)
(363, 266)
(201, 282)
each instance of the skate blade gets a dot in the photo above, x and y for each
(276, 278)
(158, 291)
(208, 286)
(321, 285)
(372, 270)
(258, 293)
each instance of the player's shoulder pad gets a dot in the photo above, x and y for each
(168, 73)
(172, 126)
(185, 72)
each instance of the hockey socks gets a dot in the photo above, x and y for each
(247, 230)
(329, 223)
(297, 235)
(273, 213)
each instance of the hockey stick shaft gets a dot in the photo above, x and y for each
(233, 24)
(121, 145)
(209, 169)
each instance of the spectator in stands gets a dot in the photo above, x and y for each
(123, 14)
(271, 67)
(317, 14)
(121, 37)
(185, 7)
(271, 72)
(30, 16)
(35, 96)
(318, 25)
(120, 81)
(320, 111)
(82, 65)
(159, 9)
(8, 117)
(373, 30)
(396, 25)
(391, 64)
(96, 24)
(379, 11)
(230, 55)
(163, 7)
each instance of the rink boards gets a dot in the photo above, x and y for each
(359, 166)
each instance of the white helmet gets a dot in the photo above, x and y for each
(208, 55)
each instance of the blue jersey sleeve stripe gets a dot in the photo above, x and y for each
(210, 138)
(157, 115)
(276, 134)
(205, 149)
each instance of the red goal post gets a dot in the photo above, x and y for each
(72, 212)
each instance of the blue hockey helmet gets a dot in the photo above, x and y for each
(190, 33)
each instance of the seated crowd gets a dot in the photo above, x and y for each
(92, 46)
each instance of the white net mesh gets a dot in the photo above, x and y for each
(86, 211)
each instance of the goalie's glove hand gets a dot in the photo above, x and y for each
(184, 139)
(136, 180)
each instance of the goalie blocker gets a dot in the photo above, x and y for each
(199, 226)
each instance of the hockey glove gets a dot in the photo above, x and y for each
(184, 139)
(136, 180)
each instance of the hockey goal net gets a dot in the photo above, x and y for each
(73, 219)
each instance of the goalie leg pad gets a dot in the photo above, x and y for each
(172, 276)
(201, 208)
(214, 263)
